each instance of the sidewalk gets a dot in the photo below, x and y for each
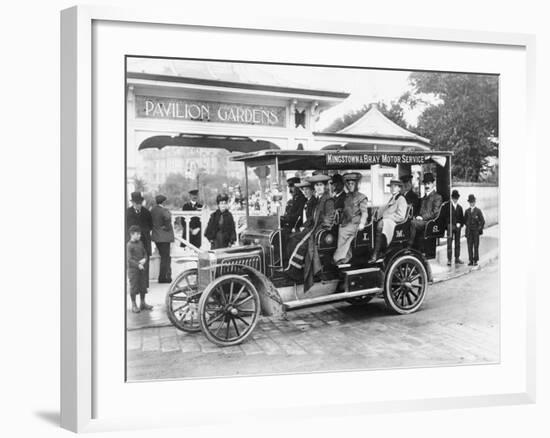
(488, 252)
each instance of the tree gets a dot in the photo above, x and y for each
(461, 116)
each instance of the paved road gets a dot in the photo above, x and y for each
(458, 324)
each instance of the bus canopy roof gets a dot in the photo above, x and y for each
(341, 159)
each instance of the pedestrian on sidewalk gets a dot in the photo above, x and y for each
(163, 236)
(136, 257)
(454, 227)
(475, 222)
(220, 230)
(138, 215)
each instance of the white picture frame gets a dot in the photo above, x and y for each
(82, 370)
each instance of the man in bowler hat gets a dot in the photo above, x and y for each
(454, 227)
(474, 221)
(163, 236)
(138, 215)
(195, 222)
(429, 207)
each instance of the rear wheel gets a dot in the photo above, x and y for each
(182, 302)
(405, 284)
(229, 310)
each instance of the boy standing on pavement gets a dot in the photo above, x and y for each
(136, 257)
(474, 221)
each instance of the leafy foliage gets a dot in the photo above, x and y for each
(465, 119)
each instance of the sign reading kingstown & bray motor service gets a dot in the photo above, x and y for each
(358, 160)
(205, 111)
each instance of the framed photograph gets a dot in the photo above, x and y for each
(259, 208)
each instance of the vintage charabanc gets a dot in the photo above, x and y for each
(230, 289)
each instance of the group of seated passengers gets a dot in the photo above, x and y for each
(313, 207)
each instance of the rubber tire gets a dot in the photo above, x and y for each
(167, 302)
(204, 298)
(389, 273)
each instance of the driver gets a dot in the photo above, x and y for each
(354, 217)
(292, 219)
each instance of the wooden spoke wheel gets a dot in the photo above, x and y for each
(405, 284)
(229, 310)
(182, 309)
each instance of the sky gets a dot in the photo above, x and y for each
(364, 85)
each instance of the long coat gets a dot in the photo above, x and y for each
(144, 221)
(163, 231)
(391, 213)
(194, 223)
(293, 211)
(323, 217)
(474, 220)
(412, 199)
(456, 215)
(430, 205)
(222, 236)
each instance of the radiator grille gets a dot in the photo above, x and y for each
(229, 266)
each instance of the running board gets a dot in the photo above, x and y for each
(340, 296)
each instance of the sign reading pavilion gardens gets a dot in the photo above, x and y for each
(358, 160)
(204, 111)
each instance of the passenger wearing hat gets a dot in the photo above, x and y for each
(475, 222)
(138, 215)
(195, 222)
(388, 216)
(304, 256)
(220, 230)
(410, 195)
(163, 236)
(430, 205)
(454, 218)
(354, 217)
(292, 219)
(338, 192)
(311, 201)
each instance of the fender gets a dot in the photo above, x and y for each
(270, 301)
(389, 258)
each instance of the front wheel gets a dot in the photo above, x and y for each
(405, 284)
(182, 302)
(229, 310)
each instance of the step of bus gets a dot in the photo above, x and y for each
(339, 296)
(362, 278)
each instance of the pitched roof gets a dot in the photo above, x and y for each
(375, 124)
(228, 74)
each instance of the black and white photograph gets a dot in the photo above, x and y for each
(287, 218)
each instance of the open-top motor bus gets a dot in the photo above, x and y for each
(229, 289)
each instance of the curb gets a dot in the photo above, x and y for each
(492, 257)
